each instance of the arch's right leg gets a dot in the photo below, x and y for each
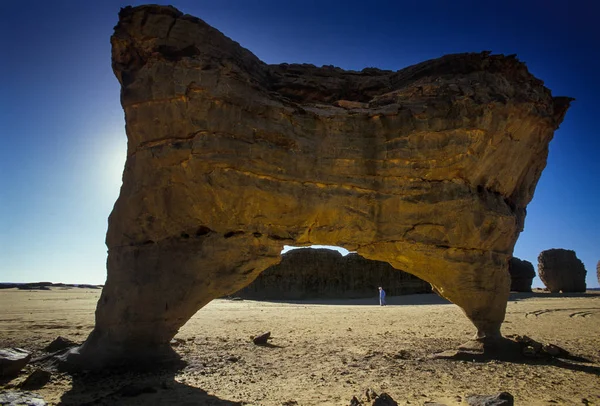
(477, 281)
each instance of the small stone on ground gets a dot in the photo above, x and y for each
(499, 399)
(12, 361)
(18, 398)
(60, 343)
(384, 400)
(262, 339)
(36, 380)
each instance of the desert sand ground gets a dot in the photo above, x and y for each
(322, 353)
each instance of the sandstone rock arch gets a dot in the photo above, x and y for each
(429, 168)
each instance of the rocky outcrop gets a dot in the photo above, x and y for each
(325, 273)
(561, 270)
(521, 274)
(46, 286)
(598, 271)
(429, 168)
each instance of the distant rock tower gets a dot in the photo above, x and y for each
(598, 271)
(521, 275)
(561, 270)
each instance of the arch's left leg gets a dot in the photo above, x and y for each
(154, 288)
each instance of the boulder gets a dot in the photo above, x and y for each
(373, 399)
(429, 168)
(561, 270)
(521, 274)
(384, 400)
(59, 344)
(36, 380)
(325, 273)
(499, 399)
(12, 361)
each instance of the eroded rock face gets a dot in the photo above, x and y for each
(521, 274)
(325, 273)
(561, 270)
(429, 169)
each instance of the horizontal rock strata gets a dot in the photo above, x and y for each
(429, 168)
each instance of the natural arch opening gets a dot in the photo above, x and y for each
(327, 272)
(429, 169)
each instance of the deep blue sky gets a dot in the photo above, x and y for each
(62, 128)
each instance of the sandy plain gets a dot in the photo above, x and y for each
(322, 352)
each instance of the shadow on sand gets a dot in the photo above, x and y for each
(115, 387)
(516, 296)
(510, 351)
(417, 299)
(571, 363)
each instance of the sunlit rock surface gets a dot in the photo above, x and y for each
(325, 273)
(561, 270)
(429, 168)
